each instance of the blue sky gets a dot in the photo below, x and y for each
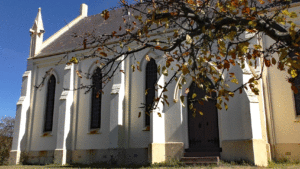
(16, 18)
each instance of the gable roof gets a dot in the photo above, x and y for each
(94, 25)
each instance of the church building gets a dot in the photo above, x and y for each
(57, 122)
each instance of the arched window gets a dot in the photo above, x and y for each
(151, 78)
(50, 104)
(297, 96)
(96, 99)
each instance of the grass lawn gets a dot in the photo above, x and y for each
(223, 165)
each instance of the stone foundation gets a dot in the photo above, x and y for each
(161, 152)
(254, 151)
(287, 151)
(39, 157)
(112, 156)
(13, 157)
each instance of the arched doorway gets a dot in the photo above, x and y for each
(203, 130)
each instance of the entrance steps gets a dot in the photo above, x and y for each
(193, 158)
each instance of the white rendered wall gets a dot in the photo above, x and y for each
(287, 128)
(37, 141)
(84, 140)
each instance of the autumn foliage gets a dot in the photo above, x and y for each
(204, 38)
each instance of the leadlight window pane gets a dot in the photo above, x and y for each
(96, 99)
(50, 104)
(151, 78)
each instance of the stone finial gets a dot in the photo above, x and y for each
(38, 26)
(36, 32)
(84, 10)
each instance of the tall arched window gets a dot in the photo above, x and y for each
(96, 99)
(151, 78)
(50, 104)
(297, 96)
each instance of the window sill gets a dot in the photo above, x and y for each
(147, 128)
(47, 134)
(94, 131)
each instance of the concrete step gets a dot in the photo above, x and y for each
(201, 160)
(201, 154)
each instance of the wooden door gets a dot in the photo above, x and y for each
(203, 129)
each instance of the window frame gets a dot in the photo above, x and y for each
(297, 96)
(46, 117)
(92, 126)
(147, 118)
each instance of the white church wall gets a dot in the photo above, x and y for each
(235, 123)
(281, 112)
(283, 105)
(139, 136)
(38, 141)
(84, 139)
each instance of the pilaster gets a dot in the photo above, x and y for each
(116, 126)
(23, 106)
(157, 151)
(62, 153)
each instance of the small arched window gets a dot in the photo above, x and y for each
(151, 78)
(297, 96)
(50, 104)
(96, 99)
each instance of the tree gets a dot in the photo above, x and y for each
(6, 136)
(201, 38)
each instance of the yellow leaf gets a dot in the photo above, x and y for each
(294, 73)
(194, 114)
(285, 12)
(191, 106)
(74, 60)
(147, 58)
(234, 81)
(185, 70)
(226, 106)
(78, 74)
(201, 113)
(146, 91)
(157, 47)
(187, 90)
(182, 100)
(159, 114)
(257, 46)
(189, 40)
(219, 106)
(273, 61)
(103, 54)
(231, 94)
(252, 23)
(105, 14)
(121, 44)
(293, 15)
(194, 95)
